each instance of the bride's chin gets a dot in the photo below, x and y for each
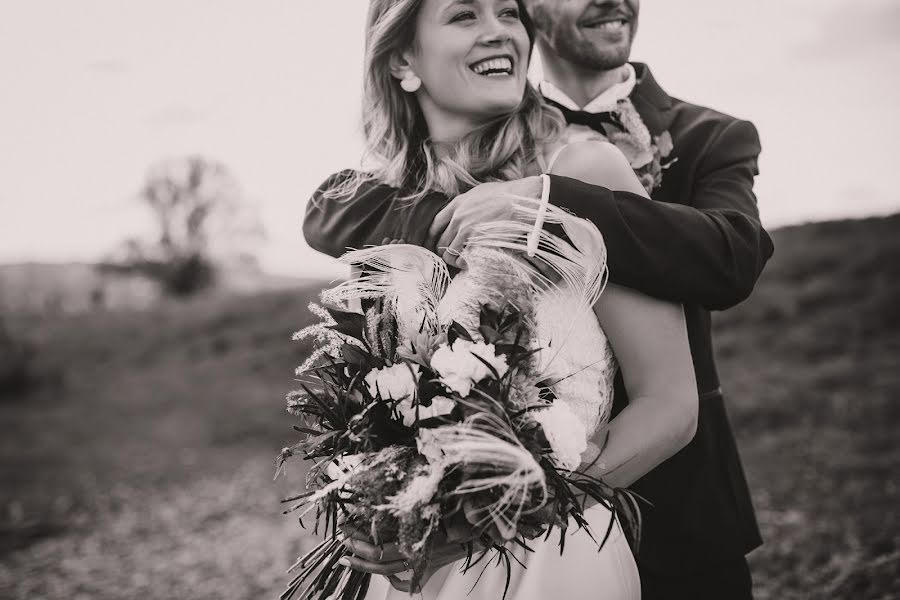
(496, 108)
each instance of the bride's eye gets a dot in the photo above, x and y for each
(465, 15)
(512, 13)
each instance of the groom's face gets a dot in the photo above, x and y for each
(593, 34)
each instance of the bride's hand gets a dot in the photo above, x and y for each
(591, 465)
(379, 559)
(448, 546)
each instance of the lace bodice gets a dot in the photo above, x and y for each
(585, 367)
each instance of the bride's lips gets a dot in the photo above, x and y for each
(496, 65)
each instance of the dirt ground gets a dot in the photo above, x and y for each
(139, 461)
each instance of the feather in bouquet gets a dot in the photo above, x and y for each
(472, 398)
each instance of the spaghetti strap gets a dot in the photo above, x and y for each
(555, 156)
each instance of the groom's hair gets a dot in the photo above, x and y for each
(398, 151)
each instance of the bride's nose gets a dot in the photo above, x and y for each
(494, 33)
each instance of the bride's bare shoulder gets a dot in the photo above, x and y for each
(581, 157)
(596, 162)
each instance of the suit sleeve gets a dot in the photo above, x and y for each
(332, 225)
(710, 252)
(372, 215)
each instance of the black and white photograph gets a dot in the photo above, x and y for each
(449, 299)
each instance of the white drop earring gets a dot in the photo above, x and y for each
(410, 82)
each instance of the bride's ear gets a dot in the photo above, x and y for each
(401, 66)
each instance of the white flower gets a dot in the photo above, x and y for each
(565, 432)
(396, 382)
(460, 370)
(440, 406)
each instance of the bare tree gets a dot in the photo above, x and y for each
(204, 222)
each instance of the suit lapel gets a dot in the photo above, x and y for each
(651, 101)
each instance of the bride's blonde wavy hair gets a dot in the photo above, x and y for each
(398, 151)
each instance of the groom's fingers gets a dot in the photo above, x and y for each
(448, 237)
(441, 221)
(445, 229)
(452, 243)
(451, 257)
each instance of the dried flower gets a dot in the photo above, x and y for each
(664, 143)
(637, 154)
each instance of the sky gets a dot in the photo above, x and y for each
(95, 91)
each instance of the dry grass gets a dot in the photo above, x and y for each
(141, 466)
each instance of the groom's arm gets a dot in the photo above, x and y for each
(372, 215)
(709, 253)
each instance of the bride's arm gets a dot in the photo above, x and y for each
(649, 338)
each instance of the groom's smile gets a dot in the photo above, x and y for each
(611, 24)
(611, 30)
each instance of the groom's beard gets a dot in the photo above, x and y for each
(567, 40)
(588, 56)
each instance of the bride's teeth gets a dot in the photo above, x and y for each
(494, 64)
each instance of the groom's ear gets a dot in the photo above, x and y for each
(400, 64)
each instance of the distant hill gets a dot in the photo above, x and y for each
(811, 370)
(71, 288)
(825, 311)
(141, 458)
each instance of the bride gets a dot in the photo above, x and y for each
(447, 106)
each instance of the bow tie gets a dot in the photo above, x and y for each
(593, 120)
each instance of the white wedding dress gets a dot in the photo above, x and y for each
(583, 571)
(580, 573)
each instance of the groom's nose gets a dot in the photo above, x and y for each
(631, 5)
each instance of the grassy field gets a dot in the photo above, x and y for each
(140, 462)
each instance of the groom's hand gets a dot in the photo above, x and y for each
(484, 203)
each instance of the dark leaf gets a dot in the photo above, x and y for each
(355, 355)
(348, 323)
(489, 334)
(457, 331)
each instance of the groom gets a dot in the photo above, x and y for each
(698, 243)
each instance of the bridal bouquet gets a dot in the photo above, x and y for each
(444, 400)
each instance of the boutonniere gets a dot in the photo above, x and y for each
(647, 154)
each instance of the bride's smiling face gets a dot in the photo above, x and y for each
(472, 58)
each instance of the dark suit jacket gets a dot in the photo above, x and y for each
(700, 244)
